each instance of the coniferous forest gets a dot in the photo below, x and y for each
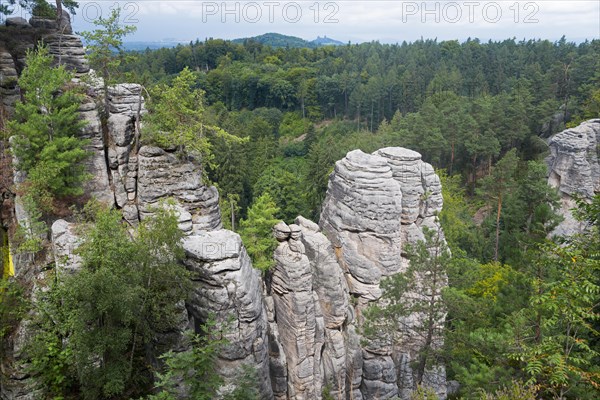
(519, 307)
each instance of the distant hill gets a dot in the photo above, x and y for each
(269, 39)
(325, 41)
(140, 46)
(279, 40)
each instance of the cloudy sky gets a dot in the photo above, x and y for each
(354, 20)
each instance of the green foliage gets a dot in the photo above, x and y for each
(423, 393)
(293, 125)
(456, 217)
(514, 391)
(229, 210)
(496, 186)
(563, 308)
(195, 368)
(286, 188)
(96, 323)
(45, 130)
(104, 43)
(176, 119)
(29, 238)
(51, 357)
(417, 291)
(46, 144)
(327, 393)
(257, 232)
(246, 385)
(194, 371)
(12, 305)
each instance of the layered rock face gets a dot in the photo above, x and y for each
(301, 328)
(361, 216)
(134, 179)
(9, 92)
(226, 286)
(574, 169)
(325, 277)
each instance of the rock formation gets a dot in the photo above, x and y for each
(226, 286)
(135, 179)
(9, 92)
(301, 327)
(326, 276)
(574, 169)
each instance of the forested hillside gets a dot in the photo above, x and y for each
(241, 221)
(480, 113)
(462, 105)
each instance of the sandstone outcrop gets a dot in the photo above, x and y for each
(574, 169)
(225, 285)
(300, 328)
(9, 91)
(326, 276)
(361, 216)
(299, 321)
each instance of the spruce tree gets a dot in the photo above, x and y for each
(46, 128)
(257, 231)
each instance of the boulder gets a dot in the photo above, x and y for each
(18, 22)
(64, 244)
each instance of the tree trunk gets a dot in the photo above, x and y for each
(498, 226)
(451, 157)
(232, 216)
(346, 102)
(59, 10)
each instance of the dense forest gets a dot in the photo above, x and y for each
(479, 112)
(462, 105)
(520, 308)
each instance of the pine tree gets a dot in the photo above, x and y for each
(176, 118)
(46, 129)
(412, 308)
(257, 231)
(103, 44)
(496, 186)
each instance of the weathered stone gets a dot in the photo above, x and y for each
(573, 160)
(406, 166)
(121, 129)
(98, 186)
(574, 169)
(361, 217)
(225, 285)
(67, 50)
(375, 206)
(162, 174)
(18, 22)
(282, 231)
(299, 330)
(328, 278)
(9, 92)
(126, 99)
(64, 244)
